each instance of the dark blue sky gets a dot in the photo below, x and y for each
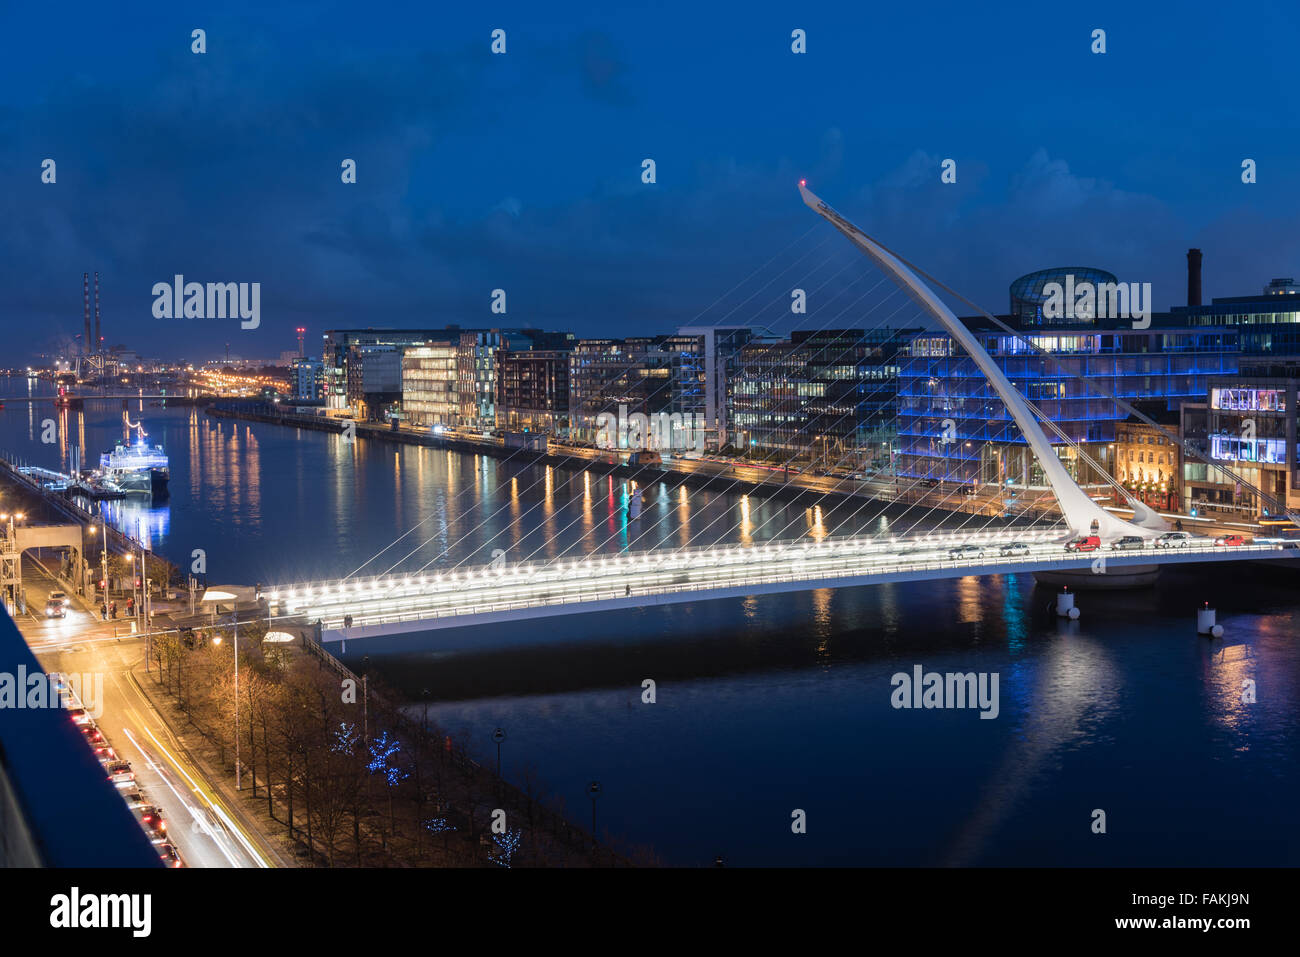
(522, 171)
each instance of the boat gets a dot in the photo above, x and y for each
(136, 468)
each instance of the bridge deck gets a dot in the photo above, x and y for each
(483, 594)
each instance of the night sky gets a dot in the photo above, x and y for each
(523, 171)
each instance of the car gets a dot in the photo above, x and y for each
(151, 820)
(55, 609)
(62, 598)
(929, 483)
(1084, 543)
(966, 551)
(105, 753)
(1127, 542)
(1013, 548)
(92, 734)
(170, 856)
(134, 798)
(1173, 540)
(78, 716)
(1230, 540)
(120, 773)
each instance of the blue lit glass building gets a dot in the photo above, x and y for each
(940, 384)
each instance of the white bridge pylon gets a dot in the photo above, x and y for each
(1080, 511)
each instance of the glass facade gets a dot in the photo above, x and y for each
(939, 386)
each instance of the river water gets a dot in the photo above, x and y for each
(771, 705)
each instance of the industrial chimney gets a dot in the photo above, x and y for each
(1193, 277)
(85, 302)
(99, 340)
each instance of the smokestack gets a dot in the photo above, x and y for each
(98, 339)
(85, 302)
(1193, 277)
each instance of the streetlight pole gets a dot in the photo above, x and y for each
(103, 558)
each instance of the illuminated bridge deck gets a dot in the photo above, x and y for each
(485, 594)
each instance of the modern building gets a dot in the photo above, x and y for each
(634, 373)
(953, 427)
(430, 385)
(702, 377)
(308, 378)
(1250, 427)
(533, 391)
(827, 397)
(344, 386)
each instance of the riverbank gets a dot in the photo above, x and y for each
(779, 485)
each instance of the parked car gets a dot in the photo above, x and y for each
(170, 856)
(120, 773)
(1084, 543)
(1230, 540)
(55, 609)
(1127, 542)
(151, 820)
(966, 551)
(134, 798)
(78, 716)
(1013, 548)
(1173, 540)
(92, 734)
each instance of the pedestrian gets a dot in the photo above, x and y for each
(112, 608)
(130, 607)
(103, 611)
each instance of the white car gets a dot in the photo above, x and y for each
(1173, 540)
(1013, 548)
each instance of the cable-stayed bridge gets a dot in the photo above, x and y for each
(1089, 540)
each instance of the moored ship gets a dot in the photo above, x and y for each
(136, 467)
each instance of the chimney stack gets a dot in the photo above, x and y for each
(99, 347)
(85, 302)
(1193, 277)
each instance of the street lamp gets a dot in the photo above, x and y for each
(214, 597)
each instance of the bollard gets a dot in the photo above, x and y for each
(1065, 605)
(1205, 624)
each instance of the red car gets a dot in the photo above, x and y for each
(1230, 540)
(1085, 543)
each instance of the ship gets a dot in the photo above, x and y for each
(136, 468)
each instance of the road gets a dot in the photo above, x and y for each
(203, 825)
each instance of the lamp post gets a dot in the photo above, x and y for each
(103, 559)
(215, 597)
